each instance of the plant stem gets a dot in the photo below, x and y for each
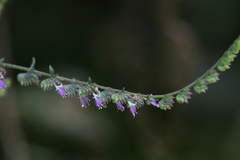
(235, 46)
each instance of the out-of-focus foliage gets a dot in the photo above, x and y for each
(147, 46)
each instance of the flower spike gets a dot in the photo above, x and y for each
(120, 97)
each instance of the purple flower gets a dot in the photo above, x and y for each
(154, 102)
(2, 84)
(84, 100)
(61, 90)
(97, 100)
(120, 106)
(133, 108)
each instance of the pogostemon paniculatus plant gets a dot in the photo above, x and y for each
(102, 95)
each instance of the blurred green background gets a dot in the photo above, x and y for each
(147, 46)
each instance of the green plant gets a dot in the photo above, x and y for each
(103, 95)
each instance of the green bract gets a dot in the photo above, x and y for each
(201, 87)
(71, 89)
(212, 77)
(49, 83)
(166, 103)
(120, 97)
(183, 96)
(86, 90)
(27, 79)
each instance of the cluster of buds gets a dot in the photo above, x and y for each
(229, 56)
(183, 96)
(201, 86)
(166, 103)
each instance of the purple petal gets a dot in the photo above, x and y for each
(133, 110)
(61, 90)
(2, 85)
(120, 106)
(97, 100)
(154, 102)
(84, 100)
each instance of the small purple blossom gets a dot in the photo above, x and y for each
(133, 108)
(154, 102)
(97, 100)
(84, 100)
(2, 84)
(120, 106)
(61, 90)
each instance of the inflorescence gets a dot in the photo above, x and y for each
(123, 99)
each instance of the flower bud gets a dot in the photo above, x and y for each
(166, 103)
(212, 77)
(183, 96)
(235, 47)
(222, 67)
(201, 87)
(27, 79)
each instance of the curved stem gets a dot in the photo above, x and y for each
(61, 78)
(234, 48)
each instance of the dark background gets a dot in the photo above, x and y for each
(147, 46)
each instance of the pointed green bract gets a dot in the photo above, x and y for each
(51, 70)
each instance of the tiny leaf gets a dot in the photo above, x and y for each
(33, 63)
(51, 70)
